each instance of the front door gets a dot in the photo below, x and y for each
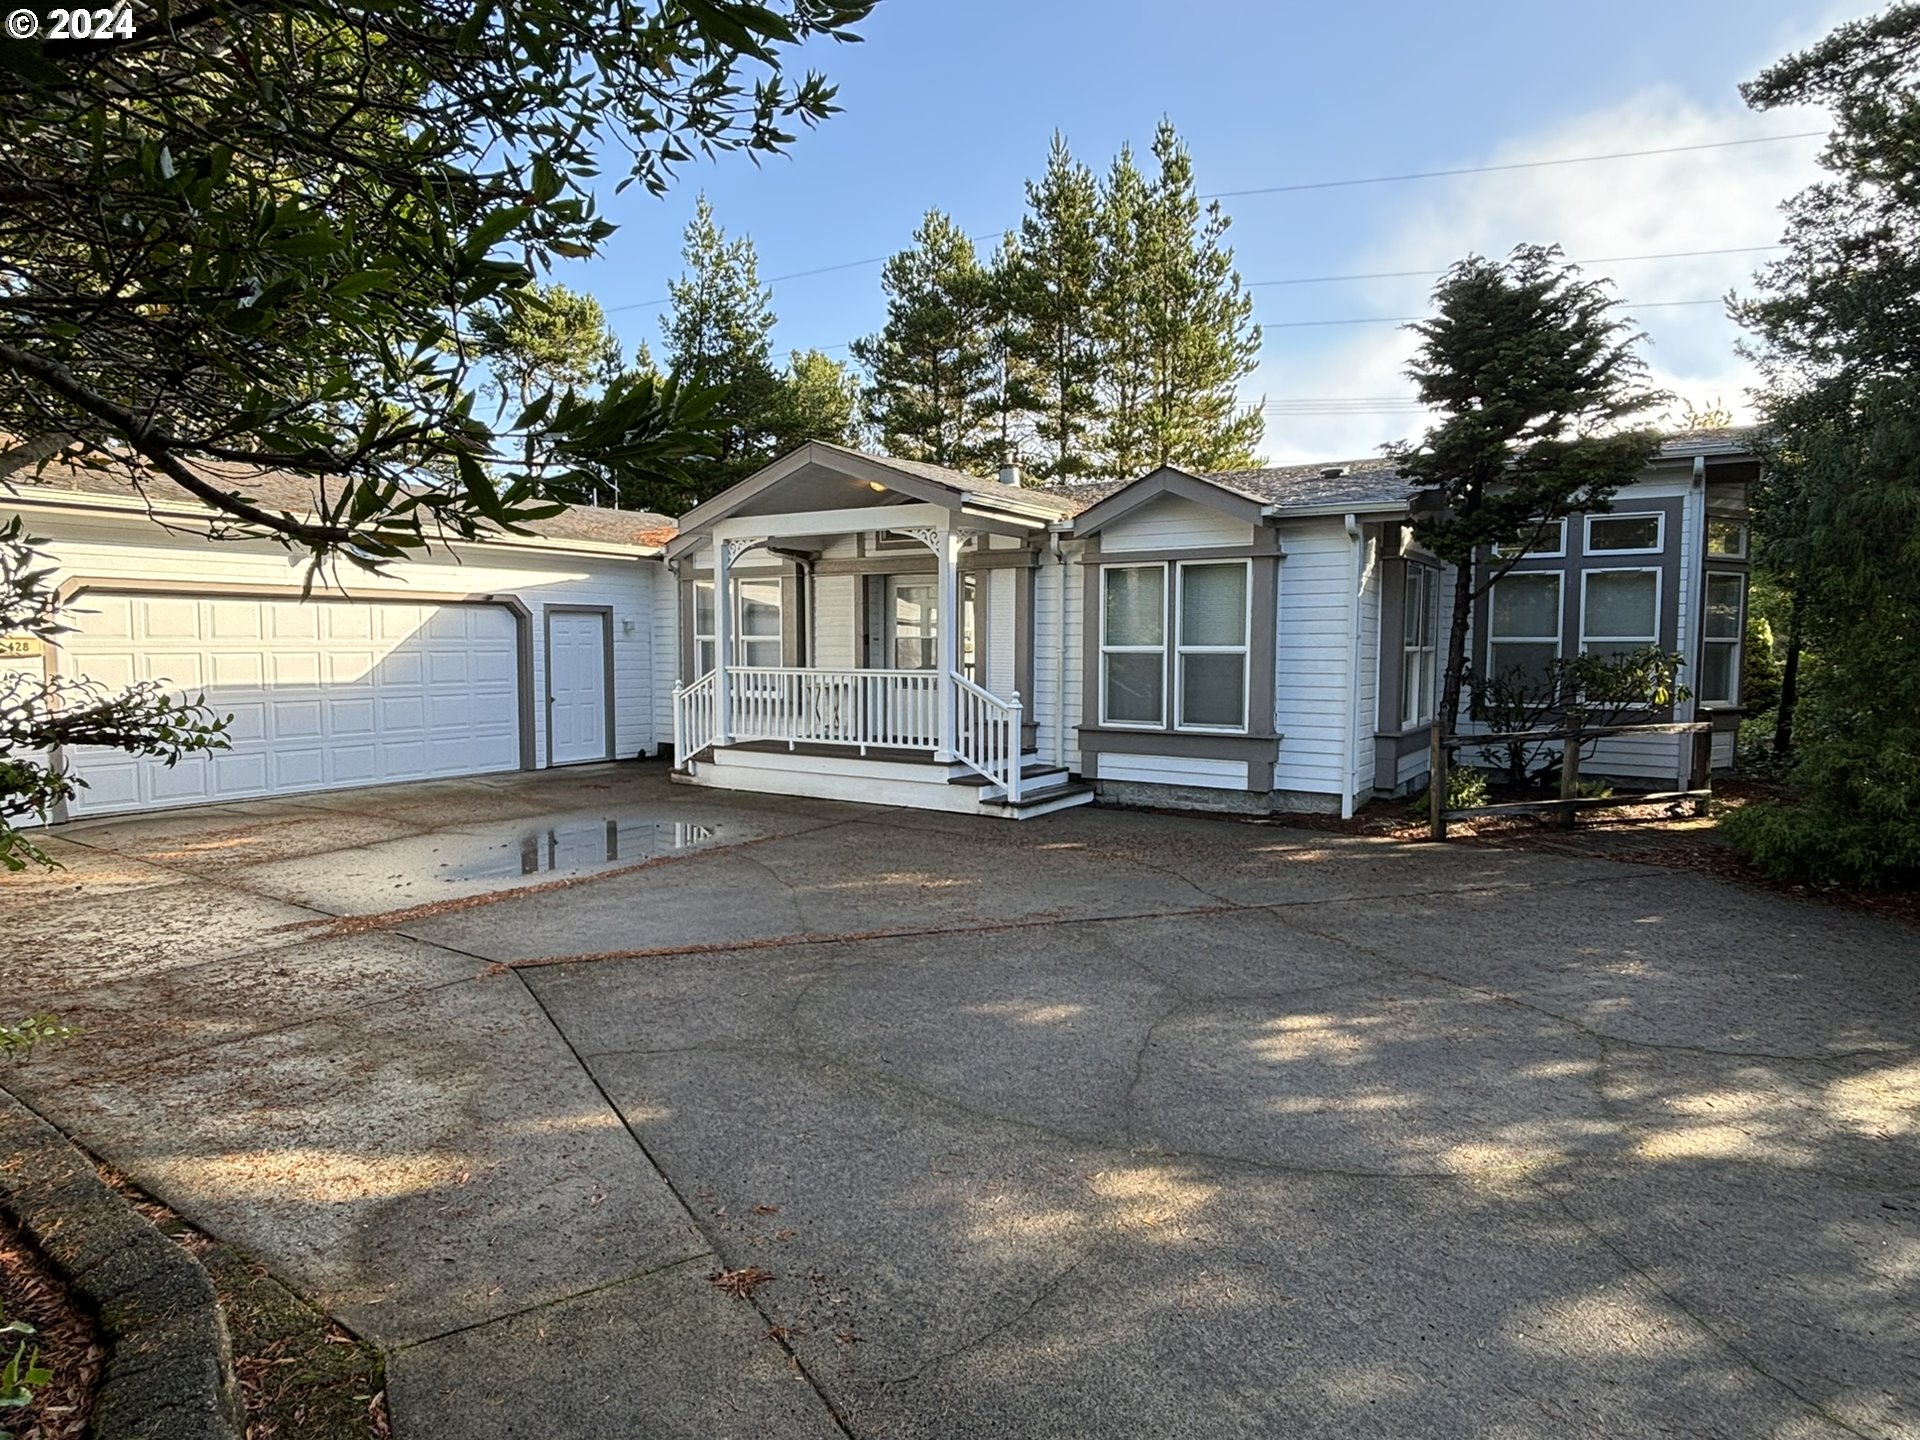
(577, 686)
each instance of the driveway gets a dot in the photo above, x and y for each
(1103, 1125)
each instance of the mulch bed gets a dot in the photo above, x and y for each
(67, 1342)
(1666, 834)
(301, 1376)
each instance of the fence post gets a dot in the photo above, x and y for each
(1569, 777)
(1437, 783)
(1700, 772)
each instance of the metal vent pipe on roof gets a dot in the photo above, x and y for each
(1010, 475)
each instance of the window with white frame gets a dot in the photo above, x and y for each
(1721, 638)
(1726, 537)
(756, 623)
(1523, 628)
(1419, 655)
(1211, 648)
(1133, 645)
(1626, 534)
(1546, 541)
(1619, 611)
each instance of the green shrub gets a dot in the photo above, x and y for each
(1854, 820)
(1466, 790)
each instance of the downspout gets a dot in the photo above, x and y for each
(1350, 746)
(1693, 580)
(1059, 653)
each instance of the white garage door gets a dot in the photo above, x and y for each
(323, 693)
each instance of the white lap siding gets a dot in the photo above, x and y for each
(1048, 653)
(1314, 647)
(132, 554)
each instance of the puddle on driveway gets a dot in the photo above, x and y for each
(576, 845)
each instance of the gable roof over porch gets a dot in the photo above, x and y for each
(833, 480)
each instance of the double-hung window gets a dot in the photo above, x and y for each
(1420, 627)
(1619, 611)
(1523, 631)
(1133, 646)
(1721, 639)
(1174, 639)
(1211, 654)
(756, 623)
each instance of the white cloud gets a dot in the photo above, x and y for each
(1701, 200)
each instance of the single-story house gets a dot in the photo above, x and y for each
(1258, 640)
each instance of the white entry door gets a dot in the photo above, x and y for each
(577, 686)
(323, 693)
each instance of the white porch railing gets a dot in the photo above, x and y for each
(865, 709)
(862, 709)
(696, 717)
(986, 735)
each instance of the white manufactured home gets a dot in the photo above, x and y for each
(1260, 640)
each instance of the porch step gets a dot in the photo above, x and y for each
(1033, 771)
(1062, 795)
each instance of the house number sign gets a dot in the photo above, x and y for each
(21, 647)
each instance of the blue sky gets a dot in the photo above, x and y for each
(952, 105)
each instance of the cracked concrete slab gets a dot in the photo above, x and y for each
(708, 1375)
(1102, 1125)
(416, 1165)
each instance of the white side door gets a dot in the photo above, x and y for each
(577, 666)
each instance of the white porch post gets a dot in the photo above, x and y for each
(723, 551)
(947, 623)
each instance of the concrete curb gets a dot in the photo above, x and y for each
(169, 1369)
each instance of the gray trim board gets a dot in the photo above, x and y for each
(605, 612)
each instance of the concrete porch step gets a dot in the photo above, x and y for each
(1063, 795)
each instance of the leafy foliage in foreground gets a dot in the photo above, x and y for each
(263, 235)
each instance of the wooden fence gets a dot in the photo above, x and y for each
(1699, 785)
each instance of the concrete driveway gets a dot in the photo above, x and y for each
(1102, 1125)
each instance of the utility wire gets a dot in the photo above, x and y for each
(1429, 274)
(1335, 185)
(1409, 319)
(1514, 165)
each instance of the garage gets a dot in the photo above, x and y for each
(323, 693)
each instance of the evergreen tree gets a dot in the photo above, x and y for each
(720, 331)
(817, 401)
(1837, 326)
(1124, 374)
(543, 338)
(1535, 382)
(1051, 277)
(1198, 332)
(932, 376)
(1011, 401)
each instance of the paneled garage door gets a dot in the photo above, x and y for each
(323, 693)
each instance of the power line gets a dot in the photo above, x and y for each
(1429, 274)
(1409, 319)
(1515, 165)
(1341, 184)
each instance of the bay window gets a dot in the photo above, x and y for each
(1721, 639)
(1175, 639)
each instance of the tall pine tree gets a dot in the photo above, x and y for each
(1124, 371)
(720, 330)
(1051, 282)
(1198, 332)
(933, 377)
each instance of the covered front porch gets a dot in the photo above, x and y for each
(860, 628)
